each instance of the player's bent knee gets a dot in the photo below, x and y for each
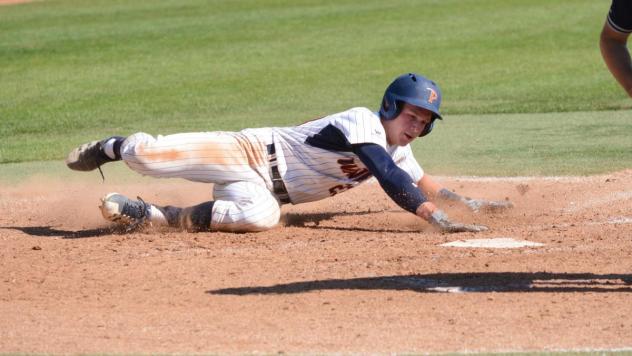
(267, 223)
(244, 207)
(243, 220)
(254, 223)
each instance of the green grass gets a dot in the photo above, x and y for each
(73, 71)
(577, 143)
(528, 144)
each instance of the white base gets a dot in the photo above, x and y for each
(500, 242)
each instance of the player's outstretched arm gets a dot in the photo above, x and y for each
(435, 190)
(401, 188)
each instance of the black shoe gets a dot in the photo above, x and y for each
(88, 156)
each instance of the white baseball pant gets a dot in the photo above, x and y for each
(237, 164)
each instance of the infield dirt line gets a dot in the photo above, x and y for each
(519, 179)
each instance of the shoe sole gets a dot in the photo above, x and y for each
(111, 211)
(76, 162)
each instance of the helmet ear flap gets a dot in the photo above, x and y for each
(390, 107)
(385, 105)
(428, 128)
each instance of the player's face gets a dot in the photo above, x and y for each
(407, 126)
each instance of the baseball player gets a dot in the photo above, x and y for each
(613, 42)
(255, 171)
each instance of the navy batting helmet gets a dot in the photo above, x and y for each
(413, 89)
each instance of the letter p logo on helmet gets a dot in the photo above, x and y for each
(432, 95)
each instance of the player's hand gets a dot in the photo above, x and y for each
(477, 205)
(440, 220)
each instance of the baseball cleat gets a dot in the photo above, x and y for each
(120, 209)
(88, 156)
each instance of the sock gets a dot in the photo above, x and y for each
(112, 147)
(197, 218)
(201, 216)
(157, 216)
(169, 214)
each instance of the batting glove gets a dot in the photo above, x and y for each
(440, 220)
(477, 205)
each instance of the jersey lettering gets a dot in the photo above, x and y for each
(353, 172)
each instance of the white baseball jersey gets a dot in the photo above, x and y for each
(314, 161)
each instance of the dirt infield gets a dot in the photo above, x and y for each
(351, 274)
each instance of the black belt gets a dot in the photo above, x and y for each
(278, 185)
